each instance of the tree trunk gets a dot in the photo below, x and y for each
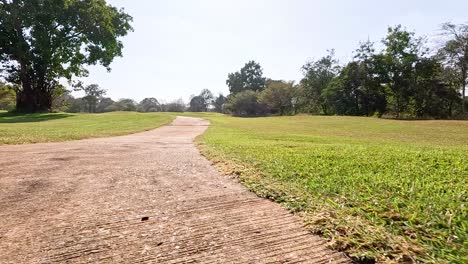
(32, 99)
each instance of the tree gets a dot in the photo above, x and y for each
(250, 77)
(207, 96)
(402, 52)
(174, 106)
(373, 96)
(317, 76)
(42, 41)
(197, 104)
(455, 54)
(149, 105)
(7, 97)
(245, 103)
(124, 104)
(278, 96)
(62, 101)
(104, 105)
(93, 93)
(201, 102)
(432, 95)
(218, 103)
(343, 94)
(77, 105)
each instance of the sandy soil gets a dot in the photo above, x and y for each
(147, 197)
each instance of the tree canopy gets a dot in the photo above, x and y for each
(42, 41)
(250, 77)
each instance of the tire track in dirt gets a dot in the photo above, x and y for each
(143, 198)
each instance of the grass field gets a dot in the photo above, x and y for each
(34, 128)
(392, 191)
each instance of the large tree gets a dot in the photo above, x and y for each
(42, 41)
(250, 77)
(455, 53)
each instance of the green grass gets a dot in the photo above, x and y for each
(385, 190)
(34, 128)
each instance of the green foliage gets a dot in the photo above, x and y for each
(401, 81)
(124, 104)
(104, 105)
(455, 54)
(174, 106)
(93, 94)
(317, 76)
(245, 103)
(197, 104)
(250, 77)
(278, 96)
(34, 128)
(7, 97)
(390, 190)
(402, 52)
(200, 103)
(149, 105)
(432, 96)
(219, 103)
(42, 41)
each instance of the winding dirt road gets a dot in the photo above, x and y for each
(147, 197)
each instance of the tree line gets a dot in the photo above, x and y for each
(404, 79)
(95, 101)
(43, 42)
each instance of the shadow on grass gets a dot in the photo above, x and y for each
(6, 117)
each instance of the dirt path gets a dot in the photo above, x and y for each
(84, 202)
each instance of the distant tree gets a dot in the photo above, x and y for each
(104, 105)
(218, 103)
(353, 92)
(245, 103)
(433, 97)
(123, 105)
(278, 96)
(174, 106)
(44, 41)
(373, 96)
(7, 97)
(317, 76)
(201, 102)
(451, 78)
(77, 105)
(208, 97)
(402, 52)
(250, 77)
(455, 54)
(149, 105)
(93, 93)
(197, 104)
(344, 93)
(62, 101)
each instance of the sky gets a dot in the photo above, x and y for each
(179, 47)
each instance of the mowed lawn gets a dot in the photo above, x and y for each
(379, 189)
(34, 128)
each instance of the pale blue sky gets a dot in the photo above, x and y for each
(180, 47)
